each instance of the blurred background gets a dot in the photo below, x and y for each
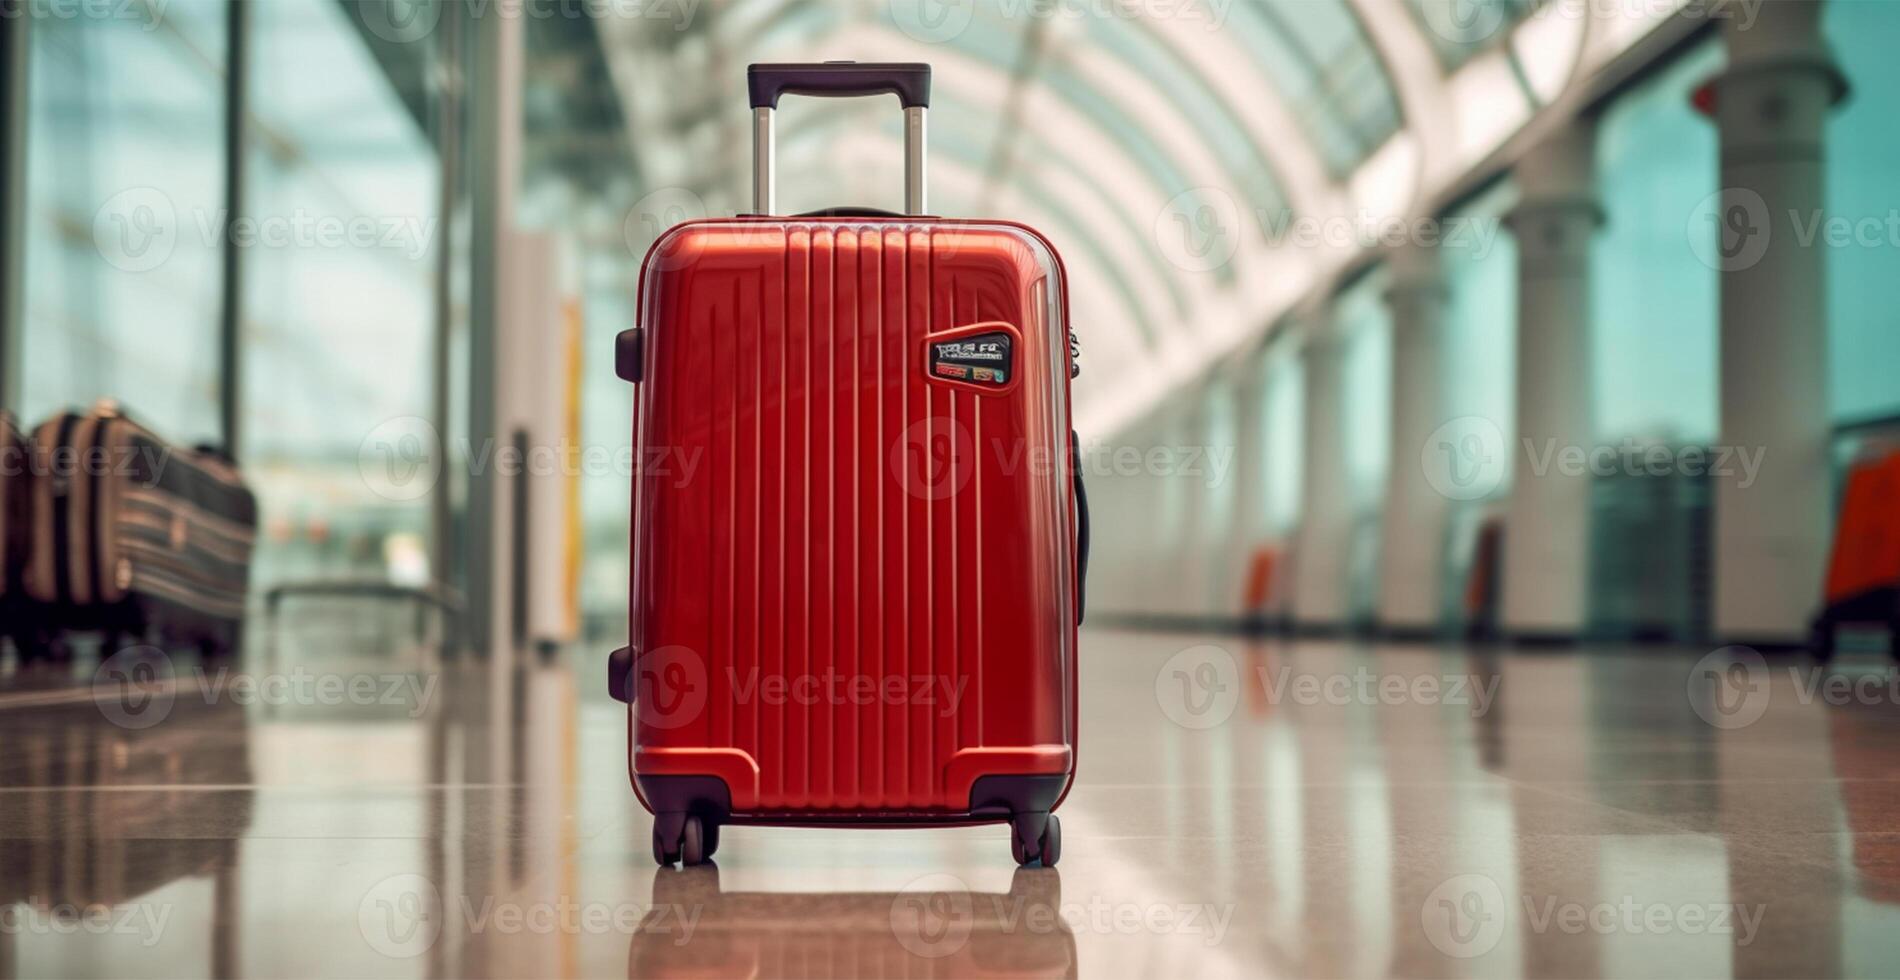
(359, 204)
(1561, 323)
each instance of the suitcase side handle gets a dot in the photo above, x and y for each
(909, 81)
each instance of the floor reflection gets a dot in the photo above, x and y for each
(937, 927)
(1311, 808)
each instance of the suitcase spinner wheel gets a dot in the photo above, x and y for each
(1044, 847)
(686, 841)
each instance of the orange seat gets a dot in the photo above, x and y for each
(1867, 540)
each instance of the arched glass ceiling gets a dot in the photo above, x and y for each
(1177, 150)
(1327, 70)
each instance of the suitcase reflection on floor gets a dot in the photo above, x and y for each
(935, 927)
(108, 818)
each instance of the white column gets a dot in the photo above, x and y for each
(1771, 537)
(1547, 523)
(1248, 470)
(1319, 562)
(1413, 528)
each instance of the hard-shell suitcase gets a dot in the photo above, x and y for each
(135, 538)
(857, 536)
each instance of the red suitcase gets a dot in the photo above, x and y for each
(858, 534)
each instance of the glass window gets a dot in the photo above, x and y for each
(1654, 322)
(1478, 353)
(1327, 71)
(125, 192)
(339, 301)
(1863, 155)
(1365, 328)
(1284, 403)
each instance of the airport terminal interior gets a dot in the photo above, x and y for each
(1488, 413)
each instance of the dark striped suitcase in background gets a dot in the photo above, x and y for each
(136, 539)
(15, 487)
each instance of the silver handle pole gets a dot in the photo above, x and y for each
(915, 145)
(764, 179)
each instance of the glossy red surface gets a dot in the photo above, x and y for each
(854, 584)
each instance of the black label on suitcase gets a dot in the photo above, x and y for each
(984, 358)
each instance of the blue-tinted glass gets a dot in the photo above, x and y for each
(124, 192)
(1284, 402)
(1655, 319)
(1863, 157)
(339, 303)
(1326, 70)
(1479, 345)
(1365, 328)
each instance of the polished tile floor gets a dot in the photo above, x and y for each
(1277, 808)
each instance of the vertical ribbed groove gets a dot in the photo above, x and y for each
(857, 509)
(976, 411)
(831, 508)
(918, 713)
(758, 509)
(777, 640)
(805, 559)
(904, 422)
(875, 789)
(723, 591)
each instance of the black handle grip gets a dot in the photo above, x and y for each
(909, 81)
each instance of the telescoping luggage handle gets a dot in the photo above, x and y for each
(910, 82)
